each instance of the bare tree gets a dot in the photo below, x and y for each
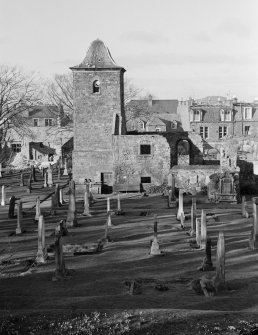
(130, 91)
(18, 94)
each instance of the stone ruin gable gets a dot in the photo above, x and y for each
(191, 177)
(129, 163)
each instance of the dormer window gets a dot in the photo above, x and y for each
(142, 125)
(96, 86)
(195, 115)
(225, 115)
(247, 113)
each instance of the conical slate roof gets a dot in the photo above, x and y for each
(98, 56)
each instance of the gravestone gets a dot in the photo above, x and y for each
(253, 241)
(171, 194)
(244, 208)
(45, 177)
(60, 271)
(54, 204)
(197, 231)
(29, 185)
(71, 220)
(1, 170)
(203, 230)
(33, 173)
(155, 250)
(220, 265)
(182, 221)
(38, 213)
(108, 205)
(61, 196)
(11, 207)
(207, 262)
(42, 253)
(61, 229)
(109, 222)
(107, 226)
(57, 195)
(65, 173)
(193, 217)
(86, 211)
(18, 230)
(180, 205)
(22, 181)
(3, 201)
(50, 176)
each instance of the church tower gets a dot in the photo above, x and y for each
(98, 114)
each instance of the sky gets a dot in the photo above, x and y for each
(171, 49)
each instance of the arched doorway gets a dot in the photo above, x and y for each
(183, 152)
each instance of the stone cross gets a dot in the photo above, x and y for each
(21, 182)
(71, 220)
(203, 230)
(50, 177)
(155, 244)
(42, 253)
(38, 213)
(45, 177)
(65, 168)
(180, 205)
(197, 231)
(220, 266)
(207, 262)
(254, 234)
(11, 207)
(244, 205)
(108, 205)
(18, 230)
(29, 185)
(86, 211)
(3, 196)
(193, 216)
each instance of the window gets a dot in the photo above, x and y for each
(158, 129)
(145, 149)
(204, 132)
(247, 130)
(225, 115)
(16, 147)
(35, 122)
(223, 131)
(48, 122)
(142, 125)
(247, 114)
(145, 180)
(196, 115)
(96, 86)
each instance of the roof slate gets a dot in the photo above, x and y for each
(158, 106)
(44, 111)
(43, 149)
(211, 113)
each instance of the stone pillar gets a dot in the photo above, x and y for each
(29, 185)
(207, 262)
(244, 206)
(182, 221)
(11, 207)
(118, 202)
(45, 177)
(18, 230)
(109, 222)
(61, 196)
(155, 244)
(38, 212)
(3, 201)
(180, 205)
(65, 168)
(203, 230)
(108, 205)
(193, 216)
(50, 177)
(71, 215)
(86, 211)
(42, 253)
(57, 195)
(254, 234)
(33, 173)
(59, 259)
(197, 231)
(21, 182)
(220, 266)
(171, 193)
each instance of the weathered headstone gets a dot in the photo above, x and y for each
(38, 212)
(220, 265)
(118, 202)
(45, 177)
(42, 252)
(207, 262)
(71, 220)
(180, 205)
(29, 185)
(108, 205)
(60, 271)
(11, 207)
(3, 200)
(18, 230)
(65, 173)
(182, 221)
(155, 244)
(86, 211)
(193, 216)
(22, 181)
(109, 221)
(61, 196)
(107, 226)
(57, 195)
(61, 228)
(197, 231)
(50, 177)
(244, 208)
(33, 173)
(203, 230)
(171, 193)
(253, 242)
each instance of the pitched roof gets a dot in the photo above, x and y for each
(43, 149)
(44, 111)
(211, 113)
(157, 106)
(98, 56)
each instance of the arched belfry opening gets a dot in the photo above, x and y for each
(96, 86)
